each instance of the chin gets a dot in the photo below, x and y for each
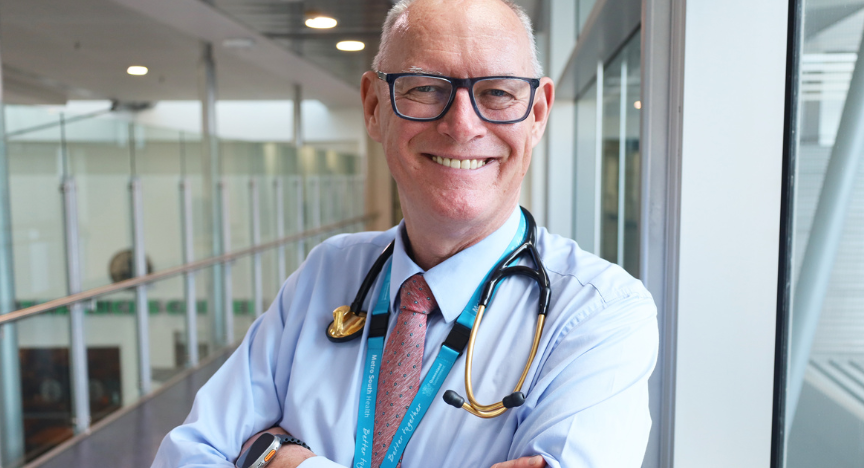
(465, 211)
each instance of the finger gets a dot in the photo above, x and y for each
(525, 462)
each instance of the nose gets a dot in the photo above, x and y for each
(461, 122)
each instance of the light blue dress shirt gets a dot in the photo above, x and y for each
(587, 389)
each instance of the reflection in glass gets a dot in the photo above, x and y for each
(610, 160)
(587, 165)
(825, 394)
(620, 159)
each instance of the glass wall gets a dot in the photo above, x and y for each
(608, 169)
(110, 160)
(825, 379)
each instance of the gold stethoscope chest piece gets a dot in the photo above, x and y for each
(346, 325)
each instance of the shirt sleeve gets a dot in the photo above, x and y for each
(592, 409)
(240, 399)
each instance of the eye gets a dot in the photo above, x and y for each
(498, 93)
(424, 89)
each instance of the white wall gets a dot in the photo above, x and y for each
(735, 63)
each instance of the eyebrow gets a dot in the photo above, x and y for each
(421, 70)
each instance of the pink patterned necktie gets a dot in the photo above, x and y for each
(403, 358)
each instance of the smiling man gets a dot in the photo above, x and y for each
(457, 100)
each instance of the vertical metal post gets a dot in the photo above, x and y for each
(622, 161)
(317, 207)
(825, 235)
(189, 277)
(11, 417)
(211, 173)
(298, 118)
(142, 311)
(227, 286)
(257, 279)
(278, 190)
(299, 192)
(598, 165)
(77, 345)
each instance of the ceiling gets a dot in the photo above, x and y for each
(283, 22)
(55, 50)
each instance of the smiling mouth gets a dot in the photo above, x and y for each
(459, 163)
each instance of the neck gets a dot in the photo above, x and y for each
(430, 243)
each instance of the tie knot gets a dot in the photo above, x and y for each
(415, 296)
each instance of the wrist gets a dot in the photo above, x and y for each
(292, 455)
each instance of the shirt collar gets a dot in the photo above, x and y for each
(454, 280)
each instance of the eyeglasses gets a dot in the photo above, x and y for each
(496, 99)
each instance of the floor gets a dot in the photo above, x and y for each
(132, 440)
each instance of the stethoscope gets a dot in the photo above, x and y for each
(348, 322)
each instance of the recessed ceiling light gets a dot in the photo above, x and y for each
(320, 21)
(239, 43)
(350, 46)
(136, 70)
(637, 104)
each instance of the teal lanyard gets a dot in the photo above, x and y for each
(431, 384)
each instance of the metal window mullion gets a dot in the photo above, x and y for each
(189, 277)
(227, 286)
(598, 165)
(257, 279)
(622, 161)
(77, 345)
(142, 312)
(281, 270)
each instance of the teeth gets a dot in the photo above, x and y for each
(459, 164)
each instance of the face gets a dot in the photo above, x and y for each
(474, 39)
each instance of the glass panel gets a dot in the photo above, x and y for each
(583, 10)
(632, 157)
(45, 381)
(158, 165)
(238, 160)
(167, 320)
(620, 159)
(38, 239)
(825, 394)
(99, 156)
(609, 172)
(243, 307)
(111, 325)
(208, 329)
(586, 167)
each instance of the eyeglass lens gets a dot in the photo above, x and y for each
(497, 99)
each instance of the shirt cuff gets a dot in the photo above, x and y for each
(319, 462)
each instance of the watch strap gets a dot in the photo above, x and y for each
(292, 440)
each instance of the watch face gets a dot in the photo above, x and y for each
(261, 445)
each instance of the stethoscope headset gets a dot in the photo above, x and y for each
(348, 322)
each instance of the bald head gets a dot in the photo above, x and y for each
(455, 19)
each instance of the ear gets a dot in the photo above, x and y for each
(544, 97)
(370, 100)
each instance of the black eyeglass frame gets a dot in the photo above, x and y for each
(468, 83)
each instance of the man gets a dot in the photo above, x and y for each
(458, 170)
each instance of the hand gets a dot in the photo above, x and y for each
(289, 456)
(525, 462)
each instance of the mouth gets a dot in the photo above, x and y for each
(468, 164)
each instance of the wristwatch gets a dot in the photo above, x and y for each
(264, 449)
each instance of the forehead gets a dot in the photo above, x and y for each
(461, 39)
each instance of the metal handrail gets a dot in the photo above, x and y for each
(178, 270)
